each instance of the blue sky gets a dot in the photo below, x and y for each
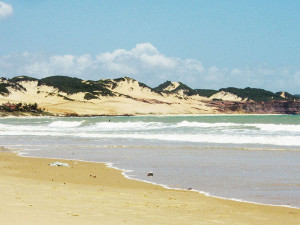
(203, 43)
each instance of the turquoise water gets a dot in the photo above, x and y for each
(251, 158)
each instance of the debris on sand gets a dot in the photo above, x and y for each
(59, 164)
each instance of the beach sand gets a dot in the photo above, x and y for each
(32, 192)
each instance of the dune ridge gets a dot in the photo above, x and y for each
(62, 95)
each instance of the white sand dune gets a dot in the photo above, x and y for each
(131, 97)
(226, 96)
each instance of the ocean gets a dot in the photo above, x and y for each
(253, 158)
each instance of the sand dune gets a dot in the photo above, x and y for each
(226, 96)
(126, 96)
(130, 98)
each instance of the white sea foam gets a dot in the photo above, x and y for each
(64, 124)
(128, 125)
(205, 125)
(277, 127)
(139, 125)
(220, 139)
(265, 127)
(184, 131)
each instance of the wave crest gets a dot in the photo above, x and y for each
(65, 124)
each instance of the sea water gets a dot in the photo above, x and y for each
(244, 157)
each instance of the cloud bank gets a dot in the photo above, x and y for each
(145, 63)
(6, 10)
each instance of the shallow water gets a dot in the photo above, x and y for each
(252, 158)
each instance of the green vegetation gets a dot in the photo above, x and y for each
(206, 92)
(68, 99)
(288, 96)
(120, 79)
(128, 78)
(89, 96)
(187, 90)
(161, 87)
(95, 89)
(19, 109)
(22, 78)
(114, 83)
(64, 97)
(254, 94)
(4, 86)
(8, 107)
(3, 89)
(72, 85)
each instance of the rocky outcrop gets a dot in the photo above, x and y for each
(272, 107)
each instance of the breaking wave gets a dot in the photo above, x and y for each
(64, 124)
(178, 131)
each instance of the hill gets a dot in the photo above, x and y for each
(63, 95)
(254, 94)
(297, 95)
(170, 87)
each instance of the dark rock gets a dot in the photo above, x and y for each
(150, 174)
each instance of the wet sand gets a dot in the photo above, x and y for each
(32, 192)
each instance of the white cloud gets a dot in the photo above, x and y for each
(213, 70)
(6, 10)
(236, 71)
(145, 48)
(142, 56)
(145, 63)
(57, 64)
(158, 61)
(193, 64)
(144, 60)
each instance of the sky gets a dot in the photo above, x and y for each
(208, 44)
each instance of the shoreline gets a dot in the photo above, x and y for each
(147, 115)
(209, 210)
(125, 175)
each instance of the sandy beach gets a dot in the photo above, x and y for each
(32, 192)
